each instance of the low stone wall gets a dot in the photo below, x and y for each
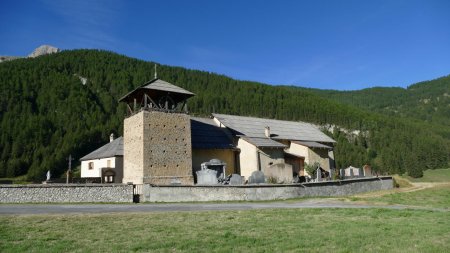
(263, 191)
(58, 193)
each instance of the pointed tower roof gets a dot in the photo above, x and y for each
(157, 88)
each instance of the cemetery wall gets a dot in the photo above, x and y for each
(263, 191)
(58, 193)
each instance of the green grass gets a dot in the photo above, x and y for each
(285, 230)
(435, 197)
(16, 180)
(401, 182)
(437, 175)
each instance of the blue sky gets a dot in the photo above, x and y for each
(341, 45)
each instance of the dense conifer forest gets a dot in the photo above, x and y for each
(426, 101)
(47, 112)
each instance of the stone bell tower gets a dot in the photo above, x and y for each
(157, 135)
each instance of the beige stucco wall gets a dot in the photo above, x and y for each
(270, 156)
(282, 172)
(200, 156)
(299, 150)
(115, 162)
(247, 158)
(157, 148)
(320, 155)
(312, 155)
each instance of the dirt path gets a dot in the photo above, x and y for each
(413, 188)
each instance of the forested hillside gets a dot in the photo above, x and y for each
(426, 101)
(66, 103)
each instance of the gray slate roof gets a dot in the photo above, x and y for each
(312, 144)
(111, 149)
(264, 142)
(280, 129)
(158, 84)
(206, 134)
(158, 87)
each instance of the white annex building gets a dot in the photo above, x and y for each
(105, 162)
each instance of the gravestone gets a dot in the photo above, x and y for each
(319, 175)
(206, 177)
(236, 180)
(342, 173)
(360, 172)
(257, 177)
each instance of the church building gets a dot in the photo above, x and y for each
(163, 145)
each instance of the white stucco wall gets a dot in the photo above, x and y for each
(115, 162)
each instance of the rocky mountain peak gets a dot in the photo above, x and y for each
(43, 50)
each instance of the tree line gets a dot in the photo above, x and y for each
(47, 113)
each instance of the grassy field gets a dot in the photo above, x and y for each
(276, 230)
(433, 197)
(287, 230)
(438, 175)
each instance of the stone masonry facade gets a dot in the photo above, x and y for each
(62, 193)
(157, 148)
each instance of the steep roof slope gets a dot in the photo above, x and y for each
(279, 129)
(111, 149)
(206, 134)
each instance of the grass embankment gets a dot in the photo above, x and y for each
(326, 230)
(437, 196)
(438, 175)
(432, 191)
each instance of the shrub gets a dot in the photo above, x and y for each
(272, 180)
(311, 169)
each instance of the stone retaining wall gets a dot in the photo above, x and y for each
(58, 193)
(263, 191)
(121, 193)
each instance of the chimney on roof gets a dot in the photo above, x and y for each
(111, 137)
(267, 131)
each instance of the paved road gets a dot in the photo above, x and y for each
(18, 209)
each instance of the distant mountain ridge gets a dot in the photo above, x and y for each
(427, 101)
(41, 50)
(66, 104)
